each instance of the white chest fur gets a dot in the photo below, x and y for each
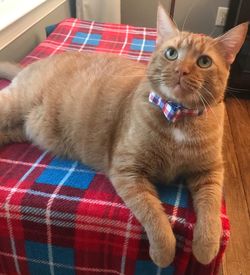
(179, 135)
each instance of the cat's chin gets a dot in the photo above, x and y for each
(168, 92)
(178, 94)
(179, 91)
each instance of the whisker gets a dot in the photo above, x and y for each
(125, 76)
(212, 32)
(238, 101)
(209, 93)
(195, 101)
(237, 89)
(188, 14)
(212, 43)
(211, 109)
(203, 103)
(202, 100)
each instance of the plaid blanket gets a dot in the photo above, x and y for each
(60, 217)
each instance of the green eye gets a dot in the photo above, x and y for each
(171, 54)
(204, 61)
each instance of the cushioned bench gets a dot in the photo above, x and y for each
(59, 216)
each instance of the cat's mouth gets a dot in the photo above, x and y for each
(184, 92)
(180, 89)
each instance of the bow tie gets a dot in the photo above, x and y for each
(172, 111)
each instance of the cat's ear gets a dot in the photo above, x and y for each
(232, 41)
(166, 28)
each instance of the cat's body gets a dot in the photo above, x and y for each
(112, 119)
(94, 108)
(72, 110)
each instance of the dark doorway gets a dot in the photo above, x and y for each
(239, 12)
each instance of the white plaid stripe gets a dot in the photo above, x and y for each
(31, 212)
(48, 217)
(158, 271)
(108, 27)
(88, 36)
(125, 40)
(176, 205)
(64, 197)
(142, 46)
(7, 210)
(168, 108)
(83, 227)
(65, 39)
(39, 165)
(125, 245)
(63, 217)
(25, 152)
(89, 49)
(78, 268)
(71, 198)
(53, 42)
(99, 226)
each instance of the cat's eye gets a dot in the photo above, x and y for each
(204, 61)
(171, 53)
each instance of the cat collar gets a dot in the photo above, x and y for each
(173, 111)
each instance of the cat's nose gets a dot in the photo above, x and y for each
(182, 70)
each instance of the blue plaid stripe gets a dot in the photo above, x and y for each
(169, 193)
(140, 44)
(86, 38)
(38, 259)
(149, 268)
(81, 176)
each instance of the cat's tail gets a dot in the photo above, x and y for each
(9, 70)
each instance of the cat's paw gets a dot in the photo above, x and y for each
(163, 255)
(206, 241)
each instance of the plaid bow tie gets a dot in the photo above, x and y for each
(173, 111)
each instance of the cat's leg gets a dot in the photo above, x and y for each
(141, 197)
(36, 128)
(12, 107)
(206, 190)
(42, 130)
(12, 135)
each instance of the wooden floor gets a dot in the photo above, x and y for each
(237, 186)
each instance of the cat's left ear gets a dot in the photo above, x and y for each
(232, 41)
(166, 28)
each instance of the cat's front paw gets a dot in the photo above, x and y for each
(206, 241)
(163, 254)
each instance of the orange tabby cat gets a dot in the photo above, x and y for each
(95, 108)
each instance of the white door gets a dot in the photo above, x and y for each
(108, 11)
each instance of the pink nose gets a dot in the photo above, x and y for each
(182, 70)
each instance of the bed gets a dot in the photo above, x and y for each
(60, 217)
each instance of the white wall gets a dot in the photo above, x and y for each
(140, 12)
(199, 14)
(22, 36)
(201, 18)
(108, 11)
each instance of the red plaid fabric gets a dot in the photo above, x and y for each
(60, 217)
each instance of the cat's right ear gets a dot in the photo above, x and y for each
(232, 41)
(166, 28)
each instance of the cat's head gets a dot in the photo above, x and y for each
(189, 68)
